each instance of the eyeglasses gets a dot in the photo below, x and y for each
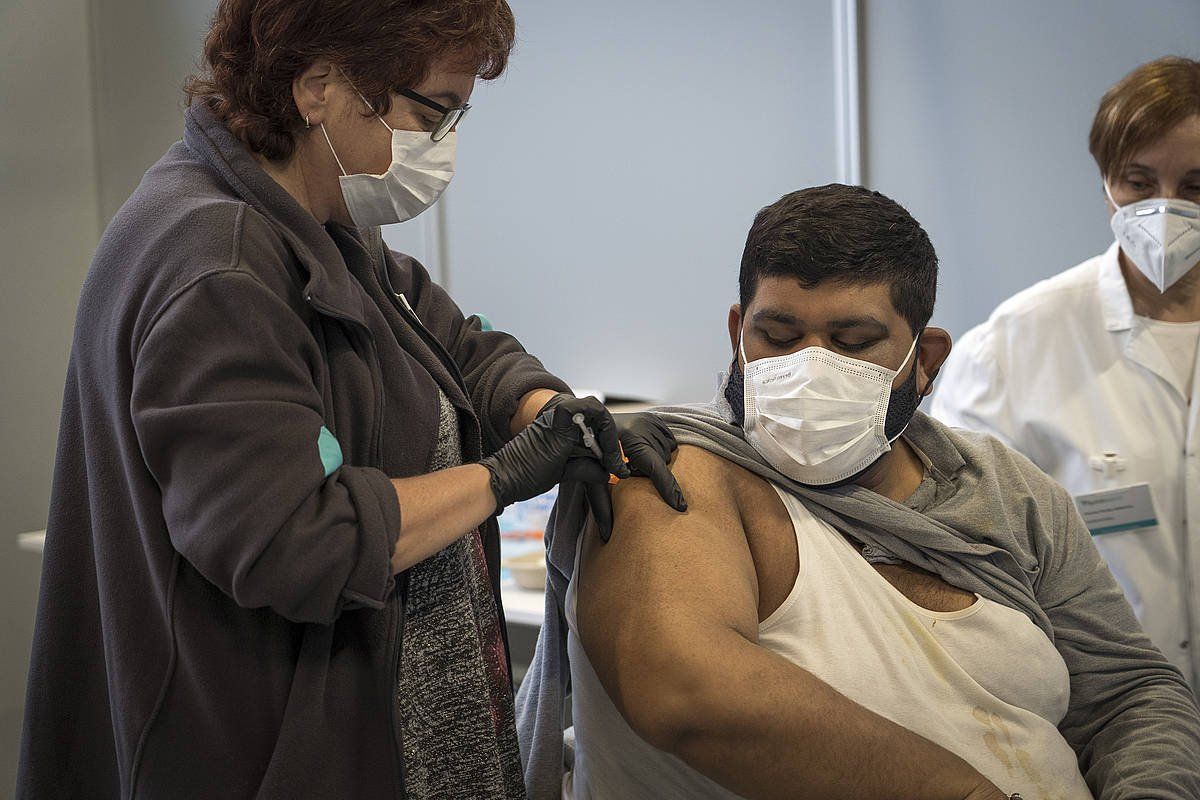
(450, 116)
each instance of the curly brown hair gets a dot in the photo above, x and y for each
(256, 48)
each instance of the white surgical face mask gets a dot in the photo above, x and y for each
(1161, 237)
(421, 170)
(817, 416)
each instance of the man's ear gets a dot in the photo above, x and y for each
(735, 326)
(931, 354)
(310, 91)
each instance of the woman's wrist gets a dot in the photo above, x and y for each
(439, 507)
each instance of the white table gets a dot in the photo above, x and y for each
(34, 541)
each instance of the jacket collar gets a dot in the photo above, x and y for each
(330, 286)
(1115, 302)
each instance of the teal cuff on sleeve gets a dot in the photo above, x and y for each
(330, 451)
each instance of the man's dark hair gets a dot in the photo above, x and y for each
(845, 234)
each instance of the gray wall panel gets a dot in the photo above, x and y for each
(977, 115)
(143, 51)
(607, 183)
(48, 224)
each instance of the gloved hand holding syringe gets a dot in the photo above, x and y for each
(589, 441)
(551, 449)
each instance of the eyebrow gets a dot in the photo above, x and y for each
(1150, 170)
(451, 98)
(784, 318)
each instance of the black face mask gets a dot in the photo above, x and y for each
(735, 393)
(902, 403)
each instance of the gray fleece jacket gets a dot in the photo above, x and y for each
(218, 615)
(990, 522)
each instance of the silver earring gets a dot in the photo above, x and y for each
(307, 124)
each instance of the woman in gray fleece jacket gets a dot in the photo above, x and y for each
(271, 565)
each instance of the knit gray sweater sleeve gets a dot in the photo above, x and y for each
(1132, 719)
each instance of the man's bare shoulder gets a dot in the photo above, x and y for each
(661, 566)
(712, 485)
(729, 504)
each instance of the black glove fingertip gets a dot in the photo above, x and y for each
(680, 502)
(675, 500)
(601, 508)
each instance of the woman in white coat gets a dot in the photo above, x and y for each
(1092, 374)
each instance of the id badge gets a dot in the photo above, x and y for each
(1116, 510)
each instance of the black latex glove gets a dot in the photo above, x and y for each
(648, 444)
(551, 450)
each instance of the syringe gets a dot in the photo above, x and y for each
(589, 441)
(589, 438)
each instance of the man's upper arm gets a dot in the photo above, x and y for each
(667, 586)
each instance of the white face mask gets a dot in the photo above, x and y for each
(421, 170)
(1161, 237)
(817, 416)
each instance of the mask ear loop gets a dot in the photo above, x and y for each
(911, 350)
(326, 133)
(335, 155)
(365, 103)
(368, 105)
(1108, 192)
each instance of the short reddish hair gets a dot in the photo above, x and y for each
(256, 48)
(1140, 108)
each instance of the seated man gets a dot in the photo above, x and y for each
(860, 602)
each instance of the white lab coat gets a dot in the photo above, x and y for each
(1065, 373)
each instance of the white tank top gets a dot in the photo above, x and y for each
(984, 682)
